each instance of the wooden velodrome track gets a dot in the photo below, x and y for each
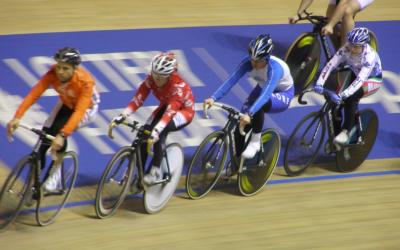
(343, 213)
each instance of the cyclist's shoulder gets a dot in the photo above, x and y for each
(277, 63)
(82, 76)
(176, 81)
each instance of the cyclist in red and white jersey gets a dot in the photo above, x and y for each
(175, 111)
(343, 11)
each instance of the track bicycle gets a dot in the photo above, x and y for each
(24, 185)
(306, 139)
(208, 162)
(304, 55)
(124, 173)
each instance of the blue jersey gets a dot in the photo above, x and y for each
(273, 78)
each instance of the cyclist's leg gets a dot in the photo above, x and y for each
(178, 122)
(240, 139)
(369, 87)
(350, 9)
(54, 123)
(278, 102)
(150, 124)
(350, 109)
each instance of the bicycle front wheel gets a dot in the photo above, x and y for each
(303, 59)
(206, 165)
(63, 178)
(254, 173)
(114, 183)
(15, 191)
(304, 143)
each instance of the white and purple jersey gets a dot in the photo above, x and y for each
(365, 65)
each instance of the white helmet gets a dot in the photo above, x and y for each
(164, 64)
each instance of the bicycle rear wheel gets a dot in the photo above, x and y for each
(303, 59)
(15, 191)
(206, 165)
(50, 205)
(304, 143)
(157, 196)
(114, 183)
(254, 173)
(350, 158)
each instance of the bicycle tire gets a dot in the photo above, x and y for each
(204, 168)
(49, 206)
(12, 199)
(103, 210)
(252, 175)
(157, 196)
(357, 153)
(303, 58)
(295, 150)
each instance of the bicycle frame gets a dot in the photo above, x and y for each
(141, 137)
(329, 112)
(228, 131)
(318, 23)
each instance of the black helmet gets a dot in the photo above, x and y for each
(68, 55)
(261, 47)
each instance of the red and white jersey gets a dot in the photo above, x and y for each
(176, 94)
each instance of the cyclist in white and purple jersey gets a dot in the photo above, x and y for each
(273, 92)
(365, 63)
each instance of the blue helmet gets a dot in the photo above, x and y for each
(358, 36)
(68, 55)
(261, 47)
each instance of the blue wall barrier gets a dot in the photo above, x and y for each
(119, 60)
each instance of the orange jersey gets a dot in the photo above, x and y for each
(76, 94)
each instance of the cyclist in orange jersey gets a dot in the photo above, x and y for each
(77, 106)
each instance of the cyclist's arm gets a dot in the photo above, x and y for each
(331, 65)
(275, 73)
(241, 69)
(139, 98)
(33, 95)
(365, 72)
(84, 102)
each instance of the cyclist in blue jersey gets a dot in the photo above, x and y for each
(272, 94)
(366, 68)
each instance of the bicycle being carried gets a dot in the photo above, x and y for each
(24, 185)
(209, 160)
(306, 139)
(126, 170)
(304, 54)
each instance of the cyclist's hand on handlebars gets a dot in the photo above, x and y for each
(12, 126)
(294, 19)
(119, 119)
(336, 98)
(244, 120)
(57, 143)
(319, 89)
(327, 30)
(208, 103)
